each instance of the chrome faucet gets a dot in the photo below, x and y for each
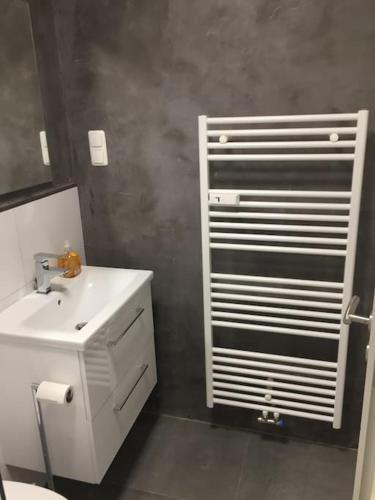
(44, 272)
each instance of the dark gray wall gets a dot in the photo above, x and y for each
(20, 102)
(143, 71)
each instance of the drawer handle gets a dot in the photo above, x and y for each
(120, 406)
(114, 342)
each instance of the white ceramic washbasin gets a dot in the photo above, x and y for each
(91, 298)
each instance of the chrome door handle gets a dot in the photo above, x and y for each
(350, 317)
(120, 406)
(114, 342)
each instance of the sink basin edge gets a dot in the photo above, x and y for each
(17, 323)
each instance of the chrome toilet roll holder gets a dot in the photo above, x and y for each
(42, 432)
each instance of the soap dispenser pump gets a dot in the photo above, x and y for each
(70, 260)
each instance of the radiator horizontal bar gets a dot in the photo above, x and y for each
(278, 239)
(278, 300)
(284, 193)
(274, 366)
(283, 157)
(334, 117)
(276, 375)
(280, 216)
(272, 132)
(281, 291)
(279, 227)
(274, 392)
(293, 205)
(275, 310)
(282, 145)
(278, 249)
(274, 357)
(277, 402)
(276, 320)
(253, 406)
(275, 329)
(266, 383)
(281, 281)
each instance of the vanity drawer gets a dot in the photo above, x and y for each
(132, 341)
(117, 327)
(110, 357)
(115, 419)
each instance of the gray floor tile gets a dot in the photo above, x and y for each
(331, 473)
(180, 458)
(292, 470)
(165, 458)
(75, 490)
(131, 494)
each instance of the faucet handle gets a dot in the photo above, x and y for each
(42, 256)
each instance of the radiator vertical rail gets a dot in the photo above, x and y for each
(357, 177)
(206, 257)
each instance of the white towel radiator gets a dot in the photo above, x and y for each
(314, 223)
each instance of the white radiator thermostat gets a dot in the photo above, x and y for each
(98, 148)
(217, 198)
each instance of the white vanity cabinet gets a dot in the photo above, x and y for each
(112, 375)
(120, 372)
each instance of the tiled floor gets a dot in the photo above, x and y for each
(164, 458)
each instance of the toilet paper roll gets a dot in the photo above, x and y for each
(54, 392)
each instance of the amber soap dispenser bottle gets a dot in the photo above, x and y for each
(70, 260)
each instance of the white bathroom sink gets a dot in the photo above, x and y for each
(74, 309)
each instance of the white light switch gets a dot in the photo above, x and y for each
(98, 148)
(44, 147)
(97, 156)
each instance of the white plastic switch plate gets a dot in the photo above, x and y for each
(44, 147)
(96, 138)
(97, 156)
(224, 199)
(98, 148)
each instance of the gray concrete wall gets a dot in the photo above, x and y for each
(143, 71)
